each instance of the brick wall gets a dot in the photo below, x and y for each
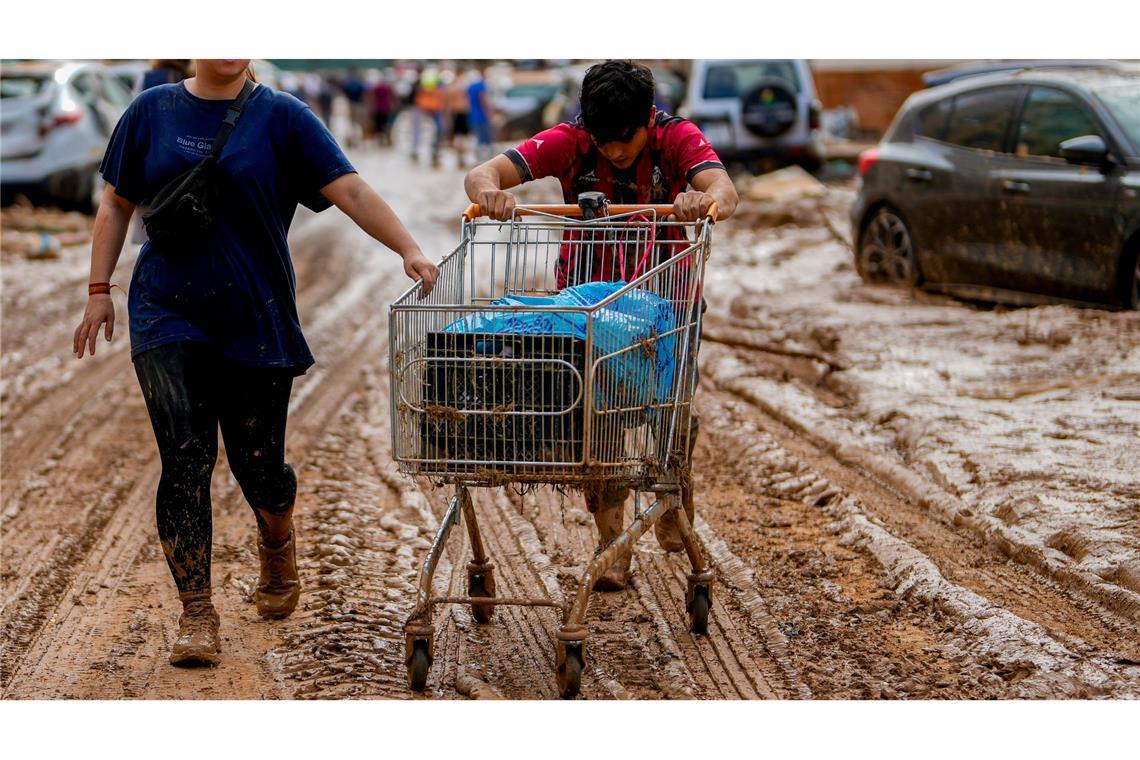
(875, 94)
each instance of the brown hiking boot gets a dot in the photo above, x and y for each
(616, 578)
(665, 530)
(198, 642)
(279, 586)
(608, 507)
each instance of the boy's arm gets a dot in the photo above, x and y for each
(709, 186)
(487, 183)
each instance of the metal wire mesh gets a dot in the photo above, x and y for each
(491, 408)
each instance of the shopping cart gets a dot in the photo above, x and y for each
(492, 384)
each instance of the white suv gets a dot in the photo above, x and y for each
(757, 112)
(55, 120)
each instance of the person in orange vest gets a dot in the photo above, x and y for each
(430, 100)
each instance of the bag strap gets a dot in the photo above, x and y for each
(233, 113)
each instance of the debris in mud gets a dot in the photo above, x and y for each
(782, 185)
(469, 683)
(735, 338)
(437, 413)
(38, 233)
(789, 629)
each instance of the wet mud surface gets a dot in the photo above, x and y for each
(904, 497)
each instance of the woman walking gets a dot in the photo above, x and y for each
(215, 335)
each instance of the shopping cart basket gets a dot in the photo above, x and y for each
(500, 377)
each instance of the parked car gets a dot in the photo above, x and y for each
(130, 73)
(1019, 187)
(55, 121)
(762, 113)
(952, 73)
(520, 106)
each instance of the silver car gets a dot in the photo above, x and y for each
(55, 120)
(760, 113)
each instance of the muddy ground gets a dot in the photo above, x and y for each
(905, 496)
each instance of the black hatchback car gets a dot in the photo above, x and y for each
(1018, 187)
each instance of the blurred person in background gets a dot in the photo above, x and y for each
(623, 147)
(382, 106)
(479, 113)
(166, 71)
(324, 98)
(415, 115)
(311, 86)
(458, 115)
(353, 88)
(429, 99)
(215, 335)
(294, 85)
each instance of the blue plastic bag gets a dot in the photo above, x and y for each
(632, 379)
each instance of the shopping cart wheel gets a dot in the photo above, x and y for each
(481, 584)
(699, 609)
(418, 665)
(570, 670)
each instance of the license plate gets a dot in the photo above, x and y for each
(719, 134)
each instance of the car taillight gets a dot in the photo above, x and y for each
(65, 117)
(867, 159)
(813, 115)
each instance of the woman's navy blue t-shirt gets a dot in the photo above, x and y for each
(238, 293)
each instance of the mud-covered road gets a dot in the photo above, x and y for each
(904, 497)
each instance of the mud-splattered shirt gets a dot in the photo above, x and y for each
(238, 293)
(675, 152)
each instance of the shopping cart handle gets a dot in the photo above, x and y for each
(565, 209)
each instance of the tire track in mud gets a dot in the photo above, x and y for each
(60, 397)
(1005, 619)
(534, 554)
(969, 556)
(98, 554)
(639, 645)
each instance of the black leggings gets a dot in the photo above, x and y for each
(190, 391)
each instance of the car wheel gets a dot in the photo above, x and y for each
(768, 109)
(88, 191)
(1130, 280)
(886, 251)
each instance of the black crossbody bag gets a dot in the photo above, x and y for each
(183, 212)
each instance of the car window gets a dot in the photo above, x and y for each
(933, 119)
(980, 118)
(537, 91)
(1049, 118)
(1123, 100)
(22, 86)
(115, 92)
(731, 80)
(85, 87)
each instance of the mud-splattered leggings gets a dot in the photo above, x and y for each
(191, 390)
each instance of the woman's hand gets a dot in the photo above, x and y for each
(417, 266)
(100, 310)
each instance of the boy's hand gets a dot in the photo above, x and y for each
(497, 204)
(692, 205)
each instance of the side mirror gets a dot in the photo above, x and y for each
(1086, 149)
